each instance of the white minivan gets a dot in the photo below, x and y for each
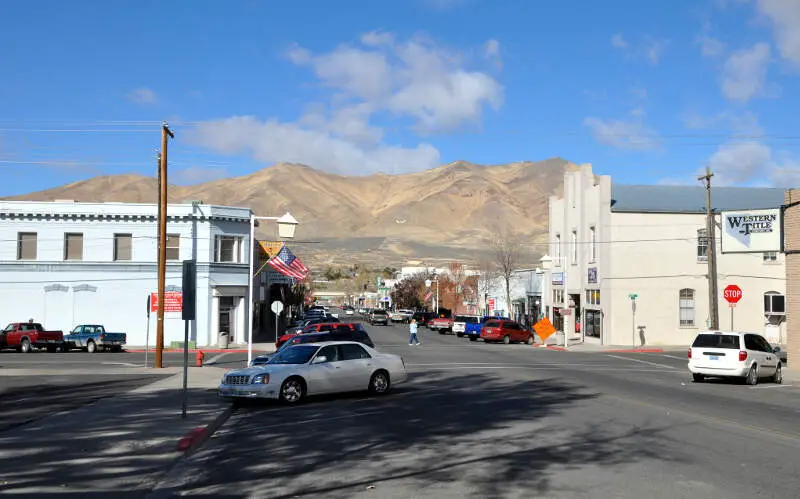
(734, 354)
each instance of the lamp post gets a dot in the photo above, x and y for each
(428, 283)
(286, 228)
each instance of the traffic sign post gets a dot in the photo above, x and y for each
(732, 295)
(633, 297)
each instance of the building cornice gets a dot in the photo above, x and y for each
(109, 217)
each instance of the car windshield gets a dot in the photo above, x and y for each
(729, 341)
(296, 354)
(492, 324)
(469, 319)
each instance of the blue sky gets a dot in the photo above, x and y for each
(648, 93)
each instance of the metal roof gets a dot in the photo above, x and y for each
(691, 198)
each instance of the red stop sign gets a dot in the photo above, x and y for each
(732, 293)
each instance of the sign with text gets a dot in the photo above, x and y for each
(173, 301)
(754, 231)
(732, 294)
(592, 275)
(268, 249)
(491, 304)
(558, 278)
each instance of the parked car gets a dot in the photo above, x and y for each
(402, 315)
(747, 356)
(422, 318)
(441, 324)
(460, 324)
(316, 369)
(93, 337)
(336, 334)
(473, 331)
(325, 319)
(378, 316)
(506, 331)
(314, 328)
(27, 336)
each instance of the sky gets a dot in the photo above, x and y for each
(648, 92)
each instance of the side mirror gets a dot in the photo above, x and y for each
(776, 349)
(319, 360)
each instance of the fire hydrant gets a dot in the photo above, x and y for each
(199, 358)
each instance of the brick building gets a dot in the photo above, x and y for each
(791, 247)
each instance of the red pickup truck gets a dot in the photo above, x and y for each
(25, 336)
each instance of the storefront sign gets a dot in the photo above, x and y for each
(592, 277)
(173, 301)
(558, 278)
(755, 231)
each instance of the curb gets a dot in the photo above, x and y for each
(195, 438)
(615, 350)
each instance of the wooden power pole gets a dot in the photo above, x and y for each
(713, 303)
(166, 133)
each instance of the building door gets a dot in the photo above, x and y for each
(227, 317)
(593, 326)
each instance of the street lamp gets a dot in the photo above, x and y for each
(287, 225)
(428, 285)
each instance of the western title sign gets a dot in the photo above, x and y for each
(753, 231)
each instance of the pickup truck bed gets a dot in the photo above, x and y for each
(28, 336)
(94, 337)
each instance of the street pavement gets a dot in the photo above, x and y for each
(479, 420)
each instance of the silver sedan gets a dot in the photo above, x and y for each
(316, 369)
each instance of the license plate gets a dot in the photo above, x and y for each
(713, 357)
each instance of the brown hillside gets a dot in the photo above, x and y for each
(447, 211)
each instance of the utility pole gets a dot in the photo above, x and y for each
(713, 304)
(166, 133)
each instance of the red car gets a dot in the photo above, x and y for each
(316, 328)
(505, 331)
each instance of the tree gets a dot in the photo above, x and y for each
(409, 292)
(486, 282)
(458, 276)
(506, 255)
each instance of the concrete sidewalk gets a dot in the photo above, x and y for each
(556, 342)
(211, 349)
(123, 443)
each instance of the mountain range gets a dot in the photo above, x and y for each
(447, 213)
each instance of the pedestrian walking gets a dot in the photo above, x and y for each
(412, 329)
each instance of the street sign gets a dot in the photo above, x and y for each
(732, 293)
(276, 307)
(173, 301)
(633, 296)
(544, 329)
(491, 303)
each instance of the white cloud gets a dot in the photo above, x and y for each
(654, 49)
(197, 175)
(743, 123)
(630, 134)
(618, 41)
(416, 81)
(785, 18)
(709, 46)
(143, 96)
(745, 73)
(752, 162)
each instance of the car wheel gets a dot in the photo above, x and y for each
(51, 349)
(292, 391)
(698, 378)
(460, 335)
(64, 347)
(778, 378)
(91, 347)
(25, 346)
(473, 338)
(752, 376)
(379, 383)
(442, 331)
(506, 340)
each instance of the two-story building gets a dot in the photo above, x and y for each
(65, 263)
(632, 262)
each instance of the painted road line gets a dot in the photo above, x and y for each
(643, 362)
(603, 369)
(770, 386)
(676, 357)
(128, 364)
(215, 359)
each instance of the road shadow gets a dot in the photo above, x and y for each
(116, 447)
(496, 436)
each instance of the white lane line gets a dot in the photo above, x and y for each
(675, 357)
(213, 360)
(609, 369)
(121, 364)
(770, 386)
(643, 361)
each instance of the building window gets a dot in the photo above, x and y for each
(774, 303)
(592, 245)
(702, 245)
(26, 246)
(123, 247)
(574, 241)
(557, 251)
(686, 304)
(73, 246)
(173, 246)
(770, 257)
(228, 249)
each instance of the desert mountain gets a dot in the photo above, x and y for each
(449, 212)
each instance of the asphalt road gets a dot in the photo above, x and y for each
(78, 360)
(478, 420)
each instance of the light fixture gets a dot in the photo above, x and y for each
(287, 225)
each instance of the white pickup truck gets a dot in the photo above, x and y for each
(401, 315)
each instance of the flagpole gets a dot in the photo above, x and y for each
(251, 277)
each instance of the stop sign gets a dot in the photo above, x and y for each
(732, 293)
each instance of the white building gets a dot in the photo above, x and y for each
(67, 263)
(526, 294)
(611, 242)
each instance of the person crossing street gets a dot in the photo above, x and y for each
(412, 329)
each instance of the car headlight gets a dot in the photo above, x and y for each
(261, 379)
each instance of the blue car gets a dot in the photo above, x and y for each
(472, 325)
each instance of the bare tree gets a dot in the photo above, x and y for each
(506, 257)
(458, 275)
(485, 286)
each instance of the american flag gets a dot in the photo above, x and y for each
(289, 265)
